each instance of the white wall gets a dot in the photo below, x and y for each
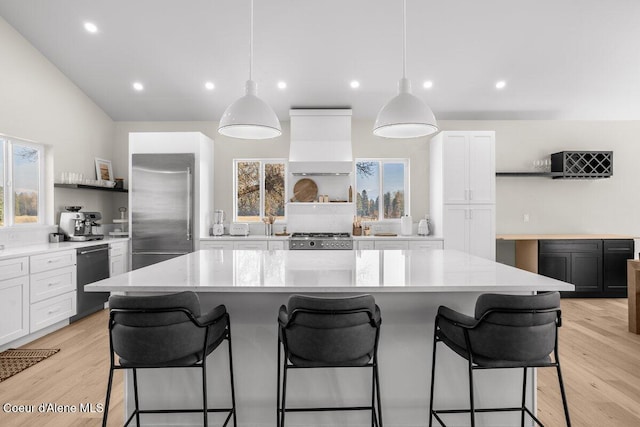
(554, 206)
(564, 206)
(39, 103)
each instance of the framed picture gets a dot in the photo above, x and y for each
(103, 169)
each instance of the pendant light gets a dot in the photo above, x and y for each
(250, 117)
(406, 115)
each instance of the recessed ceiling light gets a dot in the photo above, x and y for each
(427, 84)
(354, 84)
(282, 85)
(138, 86)
(501, 84)
(90, 27)
(209, 86)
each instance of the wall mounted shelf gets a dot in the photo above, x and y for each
(529, 174)
(92, 187)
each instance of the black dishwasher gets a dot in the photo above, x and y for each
(92, 265)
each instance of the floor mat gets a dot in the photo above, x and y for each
(14, 360)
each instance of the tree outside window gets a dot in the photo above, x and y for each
(381, 188)
(260, 189)
(21, 165)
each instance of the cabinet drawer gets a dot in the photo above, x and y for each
(116, 250)
(426, 245)
(366, 245)
(51, 261)
(254, 246)
(52, 310)
(14, 267)
(277, 245)
(391, 244)
(547, 246)
(216, 245)
(51, 283)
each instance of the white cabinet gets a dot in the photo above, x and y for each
(256, 245)
(279, 245)
(462, 190)
(391, 244)
(470, 228)
(468, 167)
(118, 258)
(14, 299)
(246, 244)
(365, 244)
(53, 288)
(426, 244)
(216, 244)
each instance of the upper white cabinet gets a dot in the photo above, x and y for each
(468, 167)
(462, 190)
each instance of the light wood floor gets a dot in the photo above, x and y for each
(600, 361)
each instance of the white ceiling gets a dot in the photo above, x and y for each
(561, 59)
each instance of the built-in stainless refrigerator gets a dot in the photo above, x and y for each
(161, 208)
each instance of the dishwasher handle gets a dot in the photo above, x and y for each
(90, 251)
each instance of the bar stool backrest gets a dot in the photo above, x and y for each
(516, 327)
(155, 330)
(331, 331)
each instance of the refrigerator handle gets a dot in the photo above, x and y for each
(189, 201)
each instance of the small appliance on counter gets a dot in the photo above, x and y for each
(424, 226)
(217, 228)
(80, 226)
(239, 229)
(406, 225)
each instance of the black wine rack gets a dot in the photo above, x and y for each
(582, 164)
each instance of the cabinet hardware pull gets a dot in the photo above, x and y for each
(54, 311)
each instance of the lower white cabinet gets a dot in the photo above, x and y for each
(364, 244)
(278, 245)
(391, 244)
(426, 244)
(244, 244)
(14, 308)
(52, 310)
(470, 228)
(118, 258)
(53, 288)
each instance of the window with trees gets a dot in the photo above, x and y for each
(382, 188)
(260, 188)
(21, 182)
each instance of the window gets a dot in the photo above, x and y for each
(21, 181)
(259, 189)
(381, 188)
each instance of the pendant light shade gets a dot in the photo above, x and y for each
(406, 115)
(250, 117)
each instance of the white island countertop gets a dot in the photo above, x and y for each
(329, 271)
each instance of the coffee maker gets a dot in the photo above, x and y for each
(217, 228)
(80, 226)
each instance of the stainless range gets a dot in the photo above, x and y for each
(320, 241)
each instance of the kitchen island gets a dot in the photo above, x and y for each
(408, 285)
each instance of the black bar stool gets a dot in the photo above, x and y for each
(508, 331)
(166, 331)
(329, 333)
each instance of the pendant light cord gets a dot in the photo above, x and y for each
(251, 46)
(404, 38)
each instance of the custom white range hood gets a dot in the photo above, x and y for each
(320, 142)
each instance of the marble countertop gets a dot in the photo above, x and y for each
(54, 247)
(328, 271)
(398, 237)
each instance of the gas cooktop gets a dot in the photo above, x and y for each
(323, 240)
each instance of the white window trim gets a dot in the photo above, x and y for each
(407, 195)
(9, 219)
(263, 162)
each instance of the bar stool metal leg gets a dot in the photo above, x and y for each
(233, 390)
(524, 395)
(135, 395)
(433, 372)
